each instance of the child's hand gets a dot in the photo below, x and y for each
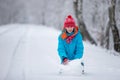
(65, 61)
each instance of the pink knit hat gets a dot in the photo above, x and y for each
(69, 22)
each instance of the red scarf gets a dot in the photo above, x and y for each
(69, 38)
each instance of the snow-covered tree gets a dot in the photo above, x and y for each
(113, 26)
(78, 6)
(11, 11)
(96, 15)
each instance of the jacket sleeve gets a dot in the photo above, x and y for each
(61, 49)
(79, 47)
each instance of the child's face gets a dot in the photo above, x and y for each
(69, 29)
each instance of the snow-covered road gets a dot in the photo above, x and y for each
(29, 52)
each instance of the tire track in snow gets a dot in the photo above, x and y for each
(7, 30)
(16, 63)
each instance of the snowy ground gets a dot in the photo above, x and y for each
(29, 52)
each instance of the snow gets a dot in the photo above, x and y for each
(72, 68)
(29, 52)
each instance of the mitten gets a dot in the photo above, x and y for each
(65, 61)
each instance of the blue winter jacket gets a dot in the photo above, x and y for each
(72, 50)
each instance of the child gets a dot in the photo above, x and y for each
(70, 45)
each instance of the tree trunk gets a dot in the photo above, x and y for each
(78, 12)
(113, 26)
(106, 38)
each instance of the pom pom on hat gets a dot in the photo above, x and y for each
(69, 16)
(69, 21)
